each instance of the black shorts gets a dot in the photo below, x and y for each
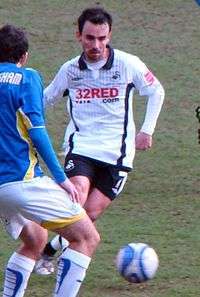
(107, 178)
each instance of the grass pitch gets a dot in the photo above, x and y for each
(160, 204)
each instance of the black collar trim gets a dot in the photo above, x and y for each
(107, 66)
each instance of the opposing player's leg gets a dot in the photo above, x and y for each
(109, 182)
(61, 215)
(21, 263)
(75, 260)
(96, 204)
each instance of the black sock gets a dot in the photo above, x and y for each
(49, 250)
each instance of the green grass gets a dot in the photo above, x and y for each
(160, 204)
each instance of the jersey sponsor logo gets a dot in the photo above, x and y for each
(110, 100)
(70, 165)
(85, 95)
(11, 78)
(149, 77)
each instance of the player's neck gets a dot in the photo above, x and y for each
(96, 65)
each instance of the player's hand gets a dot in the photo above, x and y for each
(143, 141)
(70, 188)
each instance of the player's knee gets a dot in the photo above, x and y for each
(90, 238)
(34, 238)
(83, 192)
(93, 213)
(91, 242)
(95, 239)
(37, 242)
(95, 207)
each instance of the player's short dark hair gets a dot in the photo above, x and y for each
(13, 43)
(95, 15)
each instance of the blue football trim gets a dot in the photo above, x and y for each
(141, 264)
(128, 255)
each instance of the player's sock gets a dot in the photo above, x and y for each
(71, 272)
(54, 245)
(17, 274)
(64, 243)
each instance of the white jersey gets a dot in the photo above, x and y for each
(100, 105)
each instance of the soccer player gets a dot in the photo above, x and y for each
(30, 202)
(100, 138)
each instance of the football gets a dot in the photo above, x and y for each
(137, 262)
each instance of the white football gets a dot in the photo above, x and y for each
(137, 262)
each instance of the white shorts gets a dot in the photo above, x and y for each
(40, 200)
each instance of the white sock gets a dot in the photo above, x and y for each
(17, 274)
(64, 243)
(59, 242)
(55, 243)
(71, 273)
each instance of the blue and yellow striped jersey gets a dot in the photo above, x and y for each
(21, 109)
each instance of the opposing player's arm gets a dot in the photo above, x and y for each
(55, 91)
(148, 85)
(154, 105)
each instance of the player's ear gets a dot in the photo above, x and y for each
(23, 59)
(110, 35)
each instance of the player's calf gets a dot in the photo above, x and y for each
(74, 261)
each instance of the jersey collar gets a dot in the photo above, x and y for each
(107, 66)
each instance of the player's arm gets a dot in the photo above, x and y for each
(148, 85)
(154, 105)
(32, 110)
(43, 145)
(57, 88)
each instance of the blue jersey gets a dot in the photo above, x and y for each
(21, 109)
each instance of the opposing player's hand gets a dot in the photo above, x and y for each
(69, 187)
(143, 141)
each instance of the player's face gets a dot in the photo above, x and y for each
(94, 39)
